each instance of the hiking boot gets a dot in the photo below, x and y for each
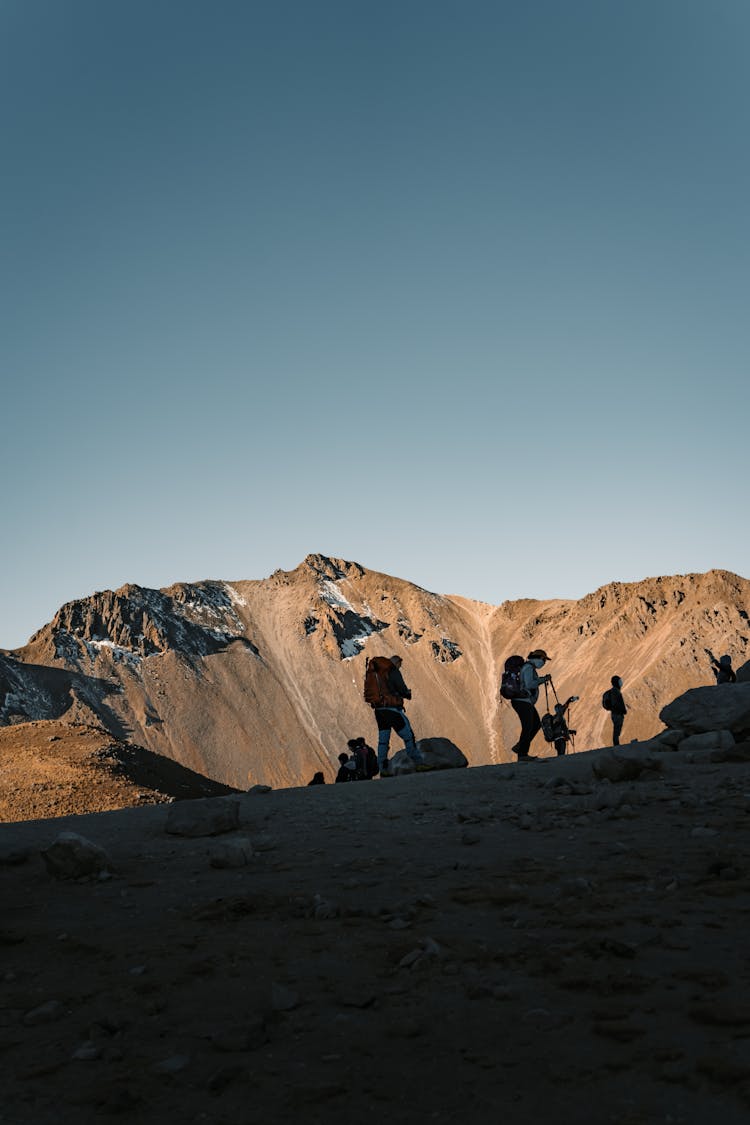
(528, 758)
(385, 770)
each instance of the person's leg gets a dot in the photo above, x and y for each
(384, 738)
(617, 721)
(560, 746)
(410, 744)
(530, 724)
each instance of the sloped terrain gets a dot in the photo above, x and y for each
(54, 769)
(507, 943)
(261, 682)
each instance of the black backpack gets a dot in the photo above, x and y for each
(510, 682)
(554, 727)
(607, 700)
(365, 762)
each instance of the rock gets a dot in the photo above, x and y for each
(708, 740)
(701, 832)
(283, 999)
(45, 1013)
(616, 766)
(207, 817)
(72, 856)
(738, 752)
(721, 707)
(259, 789)
(172, 1065)
(438, 753)
(87, 1052)
(442, 754)
(231, 853)
(670, 739)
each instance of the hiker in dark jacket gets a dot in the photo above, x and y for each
(618, 710)
(347, 769)
(391, 716)
(364, 758)
(525, 707)
(722, 668)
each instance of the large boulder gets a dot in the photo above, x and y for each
(709, 740)
(74, 857)
(439, 753)
(209, 817)
(721, 707)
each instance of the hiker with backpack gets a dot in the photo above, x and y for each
(613, 702)
(560, 733)
(364, 758)
(520, 684)
(722, 668)
(386, 691)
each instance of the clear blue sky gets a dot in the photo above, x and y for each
(456, 290)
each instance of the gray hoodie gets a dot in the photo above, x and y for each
(530, 682)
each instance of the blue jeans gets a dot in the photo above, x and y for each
(397, 721)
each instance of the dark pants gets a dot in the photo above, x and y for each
(530, 724)
(617, 721)
(560, 746)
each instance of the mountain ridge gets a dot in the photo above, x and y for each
(263, 678)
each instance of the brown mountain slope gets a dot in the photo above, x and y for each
(52, 769)
(265, 677)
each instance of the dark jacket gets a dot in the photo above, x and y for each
(396, 683)
(618, 703)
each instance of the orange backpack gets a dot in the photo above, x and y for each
(376, 691)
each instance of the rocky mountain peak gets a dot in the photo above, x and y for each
(136, 622)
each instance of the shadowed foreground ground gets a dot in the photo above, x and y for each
(481, 945)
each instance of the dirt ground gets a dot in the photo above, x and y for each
(505, 943)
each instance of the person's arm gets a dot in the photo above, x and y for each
(397, 684)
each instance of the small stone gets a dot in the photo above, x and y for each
(87, 1052)
(283, 999)
(45, 1013)
(172, 1065)
(701, 832)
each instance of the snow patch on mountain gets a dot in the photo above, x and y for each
(331, 594)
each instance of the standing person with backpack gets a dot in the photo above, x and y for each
(523, 694)
(385, 691)
(613, 702)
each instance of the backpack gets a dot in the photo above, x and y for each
(548, 728)
(554, 727)
(510, 681)
(376, 690)
(607, 700)
(365, 763)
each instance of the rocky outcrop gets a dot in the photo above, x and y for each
(723, 707)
